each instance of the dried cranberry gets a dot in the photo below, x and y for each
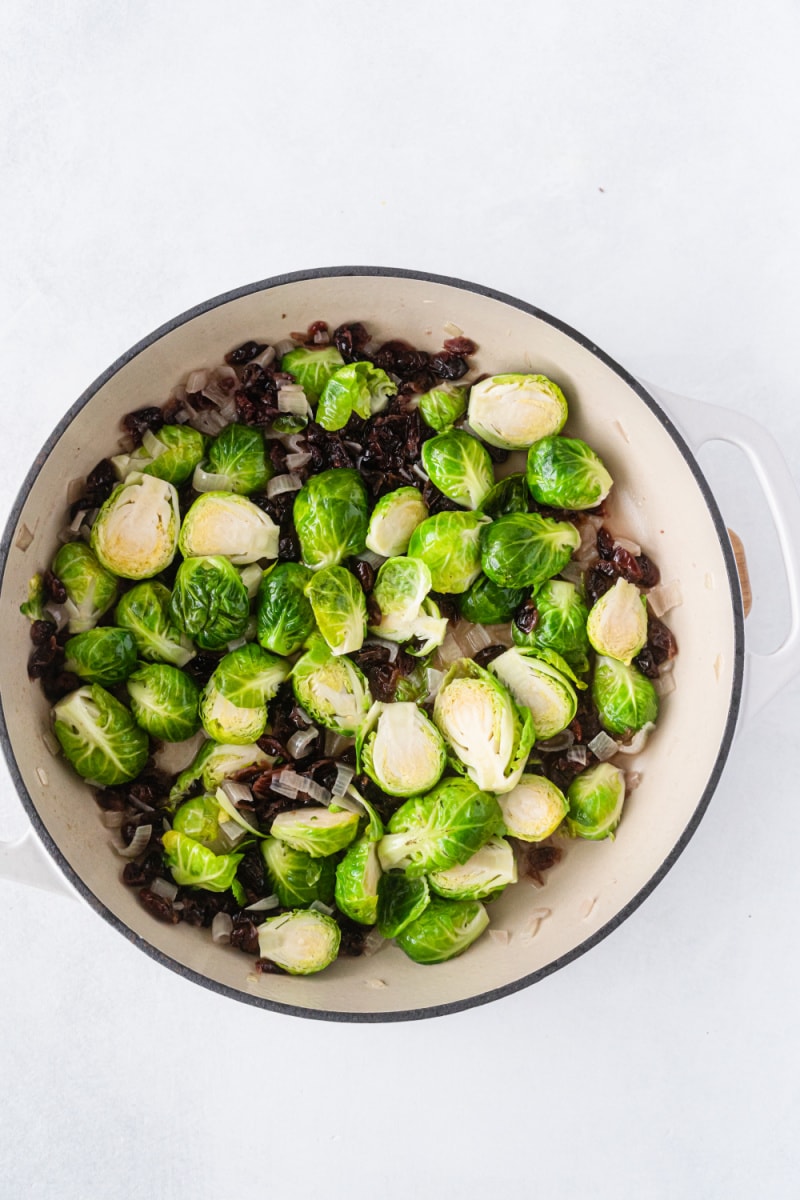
(242, 354)
(437, 501)
(244, 935)
(42, 632)
(383, 681)
(364, 573)
(599, 580)
(57, 684)
(605, 544)
(400, 358)
(41, 658)
(488, 653)
(460, 345)
(251, 871)
(447, 365)
(353, 936)
(526, 618)
(537, 857)
(649, 574)
(159, 907)
(137, 423)
(370, 656)
(627, 566)
(351, 341)
(265, 966)
(201, 667)
(646, 663)
(660, 640)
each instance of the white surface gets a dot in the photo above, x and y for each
(631, 169)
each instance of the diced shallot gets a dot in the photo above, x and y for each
(374, 560)
(283, 483)
(287, 783)
(664, 684)
(392, 647)
(579, 755)
(264, 904)
(237, 793)
(561, 741)
(292, 399)
(196, 381)
(336, 744)
(164, 888)
(433, 678)
(52, 743)
(373, 942)
(344, 776)
(299, 740)
(603, 747)
(298, 459)
(284, 346)
(221, 928)
(112, 819)
(232, 831)
(638, 741)
(664, 597)
(632, 547)
(138, 844)
(320, 906)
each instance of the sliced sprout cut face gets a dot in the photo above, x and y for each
(229, 723)
(534, 809)
(404, 754)
(332, 690)
(223, 523)
(302, 942)
(316, 831)
(617, 623)
(543, 690)
(514, 411)
(135, 534)
(483, 876)
(393, 521)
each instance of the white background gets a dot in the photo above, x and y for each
(632, 168)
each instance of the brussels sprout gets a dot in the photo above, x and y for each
(33, 607)
(413, 687)
(617, 622)
(296, 878)
(164, 702)
(400, 592)
(510, 495)
(222, 523)
(91, 589)
(339, 607)
(440, 830)
(488, 736)
(145, 611)
(445, 929)
(249, 676)
(330, 517)
(193, 865)
(209, 601)
(394, 519)
(449, 545)
(524, 549)
(198, 818)
(214, 763)
(312, 367)
(302, 942)
(459, 466)
(99, 736)
(357, 877)
(561, 625)
(481, 877)
(442, 406)
(285, 615)
(534, 809)
(357, 388)
(595, 799)
(332, 690)
(484, 603)
(402, 751)
(566, 473)
(316, 831)
(106, 655)
(229, 723)
(625, 698)
(237, 462)
(135, 534)
(513, 411)
(170, 453)
(400, 901)
(545, 691)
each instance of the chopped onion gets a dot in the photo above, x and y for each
(75, 490)
(206, 420)
(292, 399)
(283, 483)
(52, 743)
(266, 357)
(578, 754)
(349, 803)
(221, 928)
(434, 681)
(164, 888)
(196, 382)
(298, 459)
(112, 819)
(138, 843)
(632, 547)
(664, 597)
(374, 560)
(572, 573)
(232, 831)
(472, 638)
(638, 741)
(317, 792)
(420, 473)
(152, 445)
(299, 740)
(664, 684)
(293, 441)
(319, 906)
(284, 346)
(287, 783)
(603, 747)
(23, 538)
(452, 330)
(174, 757)
(561, 741)
(344, 776)
(373, 943)
(501, 936)
(264, 904)
(302, 712)
(632, 780)
(226, 803)
(322, 337)
(336, 744)
(237, 793)
(449, 651)
(237, 643)
(207, 481)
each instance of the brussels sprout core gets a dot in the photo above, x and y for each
(534, 809)
(135, 534)
(513, 411)
(617, 623)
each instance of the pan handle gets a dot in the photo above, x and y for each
(700, 423)
(25, 860)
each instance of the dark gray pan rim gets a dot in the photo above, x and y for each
(733, 707)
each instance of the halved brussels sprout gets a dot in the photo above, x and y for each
(312, 367)
(566, 473)
(302, 942)
(229, 723)
(198, 818)
(449, 545)
(339, 607)
(484, 603)
(440, 830)
(561, 625)
(99, 736)
(33, 607)
(524, 549)
(284, 613)
(249, 676)
(442, 406)
(145, 611)
(514, 411)
(400, 901)
(192, 864)
(296, 878)
(333, 691)
(489, 737)
(547, 693)
(357, 388)
(617, 622)
(394, 519)
(357, 878)
(330, 517)
(316, 831)
(482, 877)
(534, 809)
(214, 763)
(171, 453)
(164, 701)
(400, 592)
(402, 751)
(91, 589)
(222, 523)
(625, 698)
(105, 655)
(595, 799)
(509, 495)
(135, 534)
(445, 929)
(459, 466)
(237, 462)
(209, 601)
